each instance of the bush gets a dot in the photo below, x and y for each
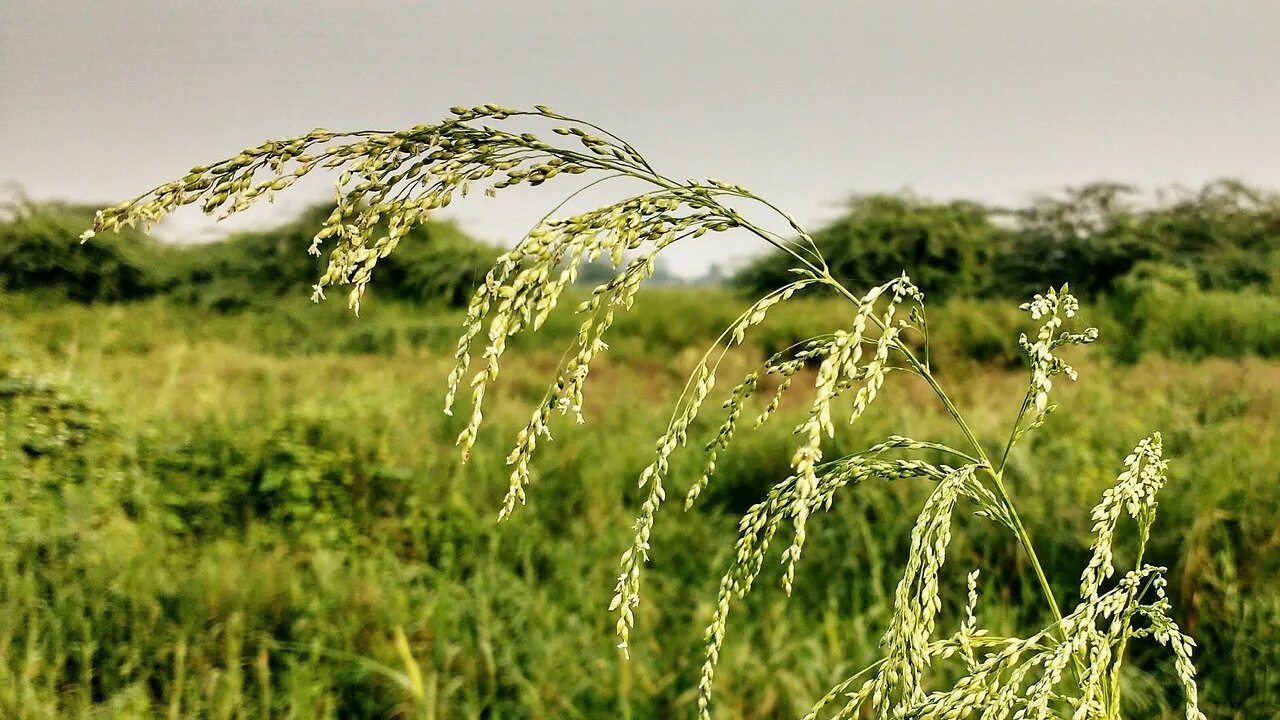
(1162, 310)
(1226, 236)
(40, 251)
(435, 263)
(947, 247)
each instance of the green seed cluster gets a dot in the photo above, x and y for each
(688, 407)
(839, 369)
(1023, 678)
(1134, 492)
(761, 523)
(733, 406)
(526, 284)
(916, 599)
(1054, 307)
(387, 181)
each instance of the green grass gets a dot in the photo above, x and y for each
(1182, 325)
(233, 516)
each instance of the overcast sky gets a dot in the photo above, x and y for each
(806, 102)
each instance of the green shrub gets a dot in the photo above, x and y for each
(947, 247)
(40, 251)
(1163, 311)
(1225, 235)
(437, 264)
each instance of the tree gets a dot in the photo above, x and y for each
(948, 248)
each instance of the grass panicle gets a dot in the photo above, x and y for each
(390, 181)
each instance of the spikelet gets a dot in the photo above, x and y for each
(1134, 492)
(566, 394)
(758, 528)
(1054, 308)
(874, 373)
(527, 287)
(916, 600)
(627, 591)
(1021, 679)
(969, 629)
(786, 368)
(840, 367)
(724, 436)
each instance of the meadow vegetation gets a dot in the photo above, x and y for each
(200, 521)
(221, 509)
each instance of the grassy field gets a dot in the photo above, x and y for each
(262, 515)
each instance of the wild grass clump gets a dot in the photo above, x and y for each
(390, 182)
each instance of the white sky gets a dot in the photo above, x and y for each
(806, 102)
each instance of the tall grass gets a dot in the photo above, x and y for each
(168, 530)
(390, 182)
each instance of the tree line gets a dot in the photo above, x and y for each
(40, 251)
(1224, 235)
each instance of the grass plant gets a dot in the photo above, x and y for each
(1069, 667)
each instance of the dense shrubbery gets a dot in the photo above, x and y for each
(436, 263)
(1226, 236)
(947, 248)
(1223, 237)
(40, 251)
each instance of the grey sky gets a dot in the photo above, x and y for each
(805, 102)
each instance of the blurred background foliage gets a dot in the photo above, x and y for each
(40, 251)
(218, 500)
(1226, 235)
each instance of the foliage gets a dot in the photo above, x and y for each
(1223, 236)
(391, 182)
(188, 408)
(438, 263)
(948, 248)
(1226, 235)
(1164, 312)
(39, 252)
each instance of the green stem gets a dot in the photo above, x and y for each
(997, 477)
(1114, 710)
(1013, 435)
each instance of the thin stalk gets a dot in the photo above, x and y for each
(1013, 435)
(1114, 710)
